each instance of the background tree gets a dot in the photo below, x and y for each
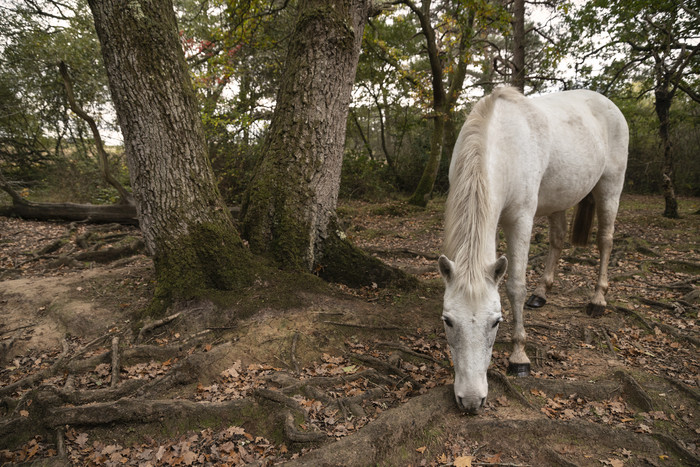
(447, 30)
(235, 50)
(185, 224)
(659, 41)
(36, 126)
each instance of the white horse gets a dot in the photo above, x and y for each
(517, 158)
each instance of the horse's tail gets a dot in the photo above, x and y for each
(583, 221)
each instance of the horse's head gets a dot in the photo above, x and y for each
(471, 322)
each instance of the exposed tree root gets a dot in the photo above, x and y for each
(386, 367)
(662, 326)
(676, 447)
(407, 351)
(363, 326)
(634, 391)
(502, 380)
(137, 410)
(38, 376)
(294, 434)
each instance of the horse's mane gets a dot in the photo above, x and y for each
(468, 211)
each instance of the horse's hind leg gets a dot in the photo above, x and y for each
(606, 211)
(557, 233)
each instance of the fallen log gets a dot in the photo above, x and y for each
(114, 213)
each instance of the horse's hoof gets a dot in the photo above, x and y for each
(595, 311)
(520, 370)
(535, 301)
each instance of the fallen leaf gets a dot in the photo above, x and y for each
(614, 462)
(24, 413)
(463, 461)
(81, 439)
(421, 449)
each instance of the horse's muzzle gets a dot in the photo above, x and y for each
(470, 405)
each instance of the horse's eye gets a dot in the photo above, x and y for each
(447, 321)
(495, 325)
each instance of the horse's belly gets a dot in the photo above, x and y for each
(562, 190)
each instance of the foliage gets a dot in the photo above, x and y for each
(40, 139)
(364, 178)
(644, 164)
(629, 39)
(235, 50)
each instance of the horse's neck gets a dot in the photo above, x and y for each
(471, 229)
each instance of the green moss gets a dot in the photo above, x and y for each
(212, 257)
(343, 262)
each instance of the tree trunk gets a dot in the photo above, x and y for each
(289, 207)
(518, 78)
(443, 100)
(421, 195)
(425, 186)
(185, 224)
(662, 105)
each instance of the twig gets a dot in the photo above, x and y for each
(503, 381)
(363, 326)
(635, 315)
(293, 351)
(116, 366)
(60, 442)
(408, 351)
(607, 340)
(151, 326)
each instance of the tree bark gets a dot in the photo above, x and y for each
(662, 105)
(185, 224)
(518, 78)
(425, 186)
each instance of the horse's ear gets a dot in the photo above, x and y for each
(499, 269)
(446, 267)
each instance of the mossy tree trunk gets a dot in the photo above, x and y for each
(184, 221)
(289, 208)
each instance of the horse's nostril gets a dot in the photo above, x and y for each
(483, 401)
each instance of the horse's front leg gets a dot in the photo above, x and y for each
(518, 238)
(557, 234)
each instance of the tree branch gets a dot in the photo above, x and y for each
(125, 196)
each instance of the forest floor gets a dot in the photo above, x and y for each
(300, 371)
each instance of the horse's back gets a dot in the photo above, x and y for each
(587, 144)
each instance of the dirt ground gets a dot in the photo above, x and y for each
(295, 370)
